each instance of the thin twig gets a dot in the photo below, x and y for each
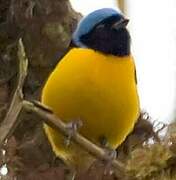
(58, 124)
(10, 121)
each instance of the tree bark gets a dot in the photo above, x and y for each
(45, 27)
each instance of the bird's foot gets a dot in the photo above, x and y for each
(72, 127)
(111, 155)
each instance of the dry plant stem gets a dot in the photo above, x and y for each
(10, 121)
(56, 123)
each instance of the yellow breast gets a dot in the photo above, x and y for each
(96, 88)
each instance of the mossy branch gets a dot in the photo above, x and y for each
(18, 104)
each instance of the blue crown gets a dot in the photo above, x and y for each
(91, 20)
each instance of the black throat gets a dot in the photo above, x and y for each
(113, 42)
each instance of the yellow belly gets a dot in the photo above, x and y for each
(98, 89)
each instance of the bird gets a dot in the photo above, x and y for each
(95, 82)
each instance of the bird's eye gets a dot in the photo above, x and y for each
(100, 26)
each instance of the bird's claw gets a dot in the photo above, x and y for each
(72, 127)
(111, 155)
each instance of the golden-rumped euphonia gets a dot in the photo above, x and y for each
(96, 83)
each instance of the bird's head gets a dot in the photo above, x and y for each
(103, 30)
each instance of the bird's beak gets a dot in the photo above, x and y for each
(120, 24)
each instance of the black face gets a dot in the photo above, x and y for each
(107, 39)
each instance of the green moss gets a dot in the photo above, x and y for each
(143, 162)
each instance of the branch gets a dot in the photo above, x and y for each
(49, 118)
(10, 121)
